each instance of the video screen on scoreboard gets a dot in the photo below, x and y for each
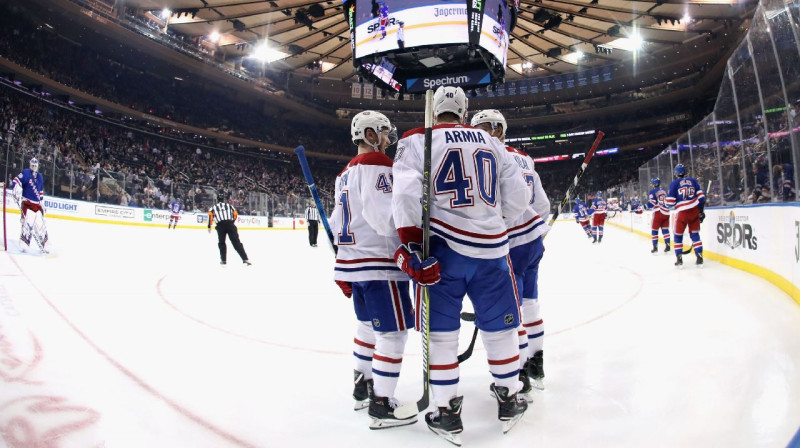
(496, 28)
(392, 25)
(384, 72)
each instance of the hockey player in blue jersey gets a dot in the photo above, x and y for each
(29, 188)
(582, 215)
(598, 208)
(384, 20)
(688, 199)
(657, 200)
(175, 211)
(636, 206)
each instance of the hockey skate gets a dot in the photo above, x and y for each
(223, 263)
(247, 262)
(666, 248)
(536, 370)
(510, 407)
(600, 239)
(446, 421)
(362, 390)
(381, 409)
(699, 261)
(594, 240)
(679, 261)
(655, 249)
(524, 378)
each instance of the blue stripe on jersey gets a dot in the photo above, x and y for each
(504, 375)
(365, 358)
(467, 243)
(368, 268)
(382, 373)
(447, 382)
(516, 235)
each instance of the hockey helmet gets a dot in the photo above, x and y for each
(577, 201)
(680, 170)
(491, 116)
(656, 182)
(370, 119)
(34, 164)
(450, 99)
(599, 194)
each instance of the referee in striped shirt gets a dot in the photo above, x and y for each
(225, 216)
(312, 218)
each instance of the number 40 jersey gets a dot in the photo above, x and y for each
(474, 184)
(362, 223)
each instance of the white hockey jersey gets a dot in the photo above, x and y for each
(362, 223)
(533, 222)
(474, 183)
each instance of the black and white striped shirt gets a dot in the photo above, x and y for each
(312, 214)
(221, 212)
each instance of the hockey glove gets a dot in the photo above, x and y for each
(346, 287)
(423, 272)
(702, 216)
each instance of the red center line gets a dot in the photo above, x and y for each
(144, 385)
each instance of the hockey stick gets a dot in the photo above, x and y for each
(312, 187)
(571, 188)
(412, 409)
(469, 317)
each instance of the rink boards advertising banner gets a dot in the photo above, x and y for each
(60, 208)
(761, 239)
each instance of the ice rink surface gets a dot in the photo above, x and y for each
(137, 337)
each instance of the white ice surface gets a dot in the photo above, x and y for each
(136, 337)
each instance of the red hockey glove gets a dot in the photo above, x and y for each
(346, 287)
(425, 273)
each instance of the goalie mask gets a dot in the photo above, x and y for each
(493, 117)
(34, 164)
(370, 119)
(450, 99)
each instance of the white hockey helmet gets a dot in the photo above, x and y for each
(370, 119)
(491, 116)
(450, 99)
(34, 164)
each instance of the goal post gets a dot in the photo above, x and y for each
(3, 193)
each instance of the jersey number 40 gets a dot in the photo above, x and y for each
(453, 180)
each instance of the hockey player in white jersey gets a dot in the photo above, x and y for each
(366, 238)
(526, 248)
(473, 185)
(29, 193)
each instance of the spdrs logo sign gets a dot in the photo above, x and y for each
(736, 232)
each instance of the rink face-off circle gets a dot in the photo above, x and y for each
(135, 336)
